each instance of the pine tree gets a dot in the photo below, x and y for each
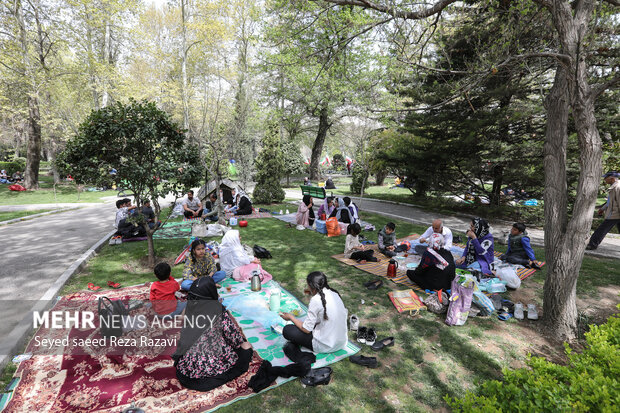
(269, 168)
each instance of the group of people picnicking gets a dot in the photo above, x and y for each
(239, 205)
(207, 358)
(15, 178)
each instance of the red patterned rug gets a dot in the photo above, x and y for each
(104, 382)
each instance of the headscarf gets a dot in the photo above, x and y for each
(200, 302)
(306, 201)
(481, 229)
(435, 243)
(327, 210)
(240, 193)
(341, 207)
(232, 254)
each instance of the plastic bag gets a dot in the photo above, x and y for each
(509, 275)
(253, 306)
(333, 229)
(460, 301)
(437, 302)
(484, 302)
(199, 229)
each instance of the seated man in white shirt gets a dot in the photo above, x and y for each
(192, 208)
(436, 227)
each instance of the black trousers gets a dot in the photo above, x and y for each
(296, 336)
(602, 230)
(516, 259)
(188, 214)
(210, 383)
(367, 255)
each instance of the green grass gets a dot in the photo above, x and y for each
(429, 359)
(5, 216)
(65, 193)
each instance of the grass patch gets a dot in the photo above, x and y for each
(429, 360)
(65, 193)
(5, 216)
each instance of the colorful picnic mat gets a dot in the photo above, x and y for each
(380, 268)
(172, 230)
(100, 382)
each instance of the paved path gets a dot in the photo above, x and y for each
(36, 252)
(31, 207)
(609, 248)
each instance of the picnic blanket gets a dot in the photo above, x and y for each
(172, 230)
(291, 219)
(255, 214)
(100, 382)
(380, 268)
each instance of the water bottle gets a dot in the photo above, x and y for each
(287, 212)
(274, 300)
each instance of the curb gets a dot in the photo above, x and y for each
(29, 217)
(16, 339)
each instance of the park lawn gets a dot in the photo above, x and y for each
(6, 216)
(429, 360)
(65, 193)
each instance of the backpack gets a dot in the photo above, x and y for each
(260, 252)
(111, 317)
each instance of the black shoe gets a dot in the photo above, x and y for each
(370, 362)
(590, 247)
(375, 285)
(535, 265)
(316, 377)
(361, 335)
(371, 336)
(384, 342)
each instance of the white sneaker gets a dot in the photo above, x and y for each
(519, 311)
(112, 241)
(532, 313)
(354, 322)
(300, 227)
(119, 241)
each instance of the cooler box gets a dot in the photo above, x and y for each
(320, 226)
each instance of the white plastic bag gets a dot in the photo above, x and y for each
(199, 229)
(509, 275)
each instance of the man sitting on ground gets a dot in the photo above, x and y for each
(212, 208)
(436, 228)
(149, 214)
(192, 208)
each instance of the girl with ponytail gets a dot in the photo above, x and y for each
(325, 328)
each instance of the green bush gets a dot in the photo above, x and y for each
(359, 178)
(19, 164)
(269, 169)
(589, 383)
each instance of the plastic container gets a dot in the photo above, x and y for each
(320, 226)
(243, 223)
(274, 300)
(233, 221)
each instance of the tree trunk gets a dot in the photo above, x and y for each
(565, 240)
(317, 148)
(184, 69)
(151, 245)
(498, 177)
(33, 157)
(380, 177)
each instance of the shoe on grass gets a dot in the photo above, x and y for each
(532, 313)
(370, 362)
(384, 342)
(519, 311)
(371, 336)
(318, 376)
(354, 322)
(361, 335)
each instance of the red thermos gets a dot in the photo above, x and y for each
(391, 269)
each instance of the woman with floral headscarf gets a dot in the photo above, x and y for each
(437, 269)
(479, 252)
(211, 350)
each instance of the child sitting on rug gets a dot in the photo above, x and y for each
(387, 239)
(162, 292)
(199, 264)
(325, 328)
(520, 251)
(353, 249)
(479, 251)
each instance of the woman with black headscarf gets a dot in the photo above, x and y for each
(212, 350)
(341, 211)
(305, 213)
(479, 252)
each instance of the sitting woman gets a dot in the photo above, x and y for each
(325, 328)
(437, 269)
(235, 262)
(243, 203)
(353, 209)
(305, 213)
(326, 207)
(341, 212)
(353, 249)
(200, 264)
(207, 357)
(479, 252)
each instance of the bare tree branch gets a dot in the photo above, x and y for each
(399, 14)
(599, 88)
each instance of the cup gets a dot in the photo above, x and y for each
(229, 288)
